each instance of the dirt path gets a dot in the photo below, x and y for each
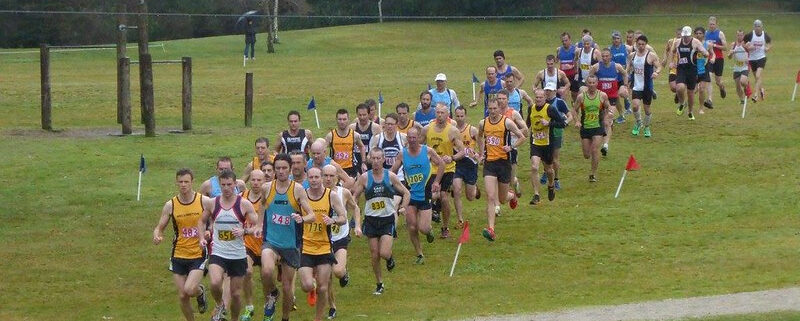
(707, 306)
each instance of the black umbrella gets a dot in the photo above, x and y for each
(244, 17)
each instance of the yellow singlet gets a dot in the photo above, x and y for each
(185, 217)
(342, 148)
(257, 161)
(496, 136)
(441, 143)
(251, 242)
(466, 137)
(404, 130)
(317, 235)
(540, 134)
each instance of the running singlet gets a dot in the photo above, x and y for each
(548, 79)
(515, 100)
(489, 92)
(418, 171)
(185, 218)
(586, 62)
(405, 129)
(607, 79)
(469, 144)
(561, 106)
(674, 71)
(257, 161)
(379, 196)
(619, 55)
(540, 134)
(251, 242)
(502, 75)
(425, 118)
(317, 234)
(216, 190)
(758, 43)
(224, 243)
(366, 136)
(310, 163)
(712, 37)
(590, 117)
(339, 232)
(497, 136)
(444, 98)
(642, 72)
(441, 143)
(294, 143)
(567, 56)
(739, 58)
(280, 229)
(686, 57)
(342, 148)
(391, 150)
(701, 60)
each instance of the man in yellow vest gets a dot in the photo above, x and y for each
(542, 119)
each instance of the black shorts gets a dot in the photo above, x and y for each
(353, 171)
(255, 257)
(760, 63)
(233, 268)
(718, 66)
(500, 168)
(340, 244)
(512, 156)
(687, 77)
(672, 77)
(737, 74)
(447, 181)
(290, 257)
(310, 260)
(704, 77)
(574, 85)
(646, 96)
(184, 266)
(589, 133)
(467, 171)
(421, 205)
(379, 226)
(543, 152)
(613, 101)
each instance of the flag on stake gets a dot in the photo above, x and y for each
(142, 164)
(380, 103)
(461, 240)
(475, 79)
(313, 105)
(796, 81)
(142, 169)
(632, 165)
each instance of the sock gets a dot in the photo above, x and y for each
(647, 120)
(627, 104)
(638, 115)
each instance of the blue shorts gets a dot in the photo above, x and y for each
(467, 171)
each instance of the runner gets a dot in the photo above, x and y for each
(740, 69)
(592, 106)
(704, 64)
(716, 40)
(673, 71)
(373, 111)
(403, 122)
(757, 43)
(444, 138)
(391, 142)
(587, 32)
(502, 104)
(340, 235)
(283, 201)
(417, 160)
(630, 41)
(188, 259)
(686, 69)
(567, 61)
(552, 75)
(466, 174)
(608, 72)
(227, 217)
(295, 138)
(252, 243)
(488, 89)
(211, 187)
(503, 69)
(425, 114)
(299, 169)
(643, 62)
(262, 155)
(542, 120)
(515, 94)
(319, 159)
(557, 138)
(619, 55)
(269, 172)
(494, 146)
(442, 94)
(587, 56)
(379, 186)
(365, 129)
(316, 256)
(343, 142)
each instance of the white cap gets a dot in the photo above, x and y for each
(757, 23)
(686, 31)
(550, 86)
(440, 76)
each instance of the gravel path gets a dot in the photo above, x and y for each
(707, 306)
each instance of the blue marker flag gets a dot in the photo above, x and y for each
(312, 104)
(380, 97)
(475, 79)
(142, 165)
(429, 86)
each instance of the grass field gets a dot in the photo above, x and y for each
(713, 209)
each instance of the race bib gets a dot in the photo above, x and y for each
(341, 156)
(189, 232)
(281, 220)
(378, 205)
(225, 235)
(493, 141)
(584, 67)
(414, 179)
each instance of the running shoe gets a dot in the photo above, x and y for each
(269, 306)
(311, 297)
(628, 110)
(558, 185)
(513, 203)
(635, 130)
(701, 112)
(680, 110)
(477, 193)
(592, 179)
(460, 225)
(722, 93)
(647, 132)
(709, 104)
(497, 210)
(620, 119)
(389, 265)
(445, 233)
(219, 313)
(378, 289)
(534, 200)
(429, 237)
(604, 149)
(551, 193)
(691, 117)
(331, 313)
(436, 217)
(763, 93)
(488, 233)
(247, 314)
(202, 304)
(420, 259)
(345, 279)
(543, 179)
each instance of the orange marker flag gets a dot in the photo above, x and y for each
(632, 165)
(461, 240)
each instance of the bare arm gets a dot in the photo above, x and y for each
(361, 150)
(723, 43)
(398, 161)
(340, 212)
(565, 80)
(436, 160)
(455, 138)
(480, 140)
(360, 183)
(279, 144)
(302, 199)
(516, 132)
(518, 74)
(577, 110)
(655, 62)
(250, 213)
(537, 81)
(347, 181)
(399, 187)
(208, 206)
(158, 232)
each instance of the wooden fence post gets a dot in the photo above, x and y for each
(146, 81)
(248, 100)
(124, 82)
(44, 60)
(186, 96)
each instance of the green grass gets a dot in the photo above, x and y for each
(777, 316)
(711, 211)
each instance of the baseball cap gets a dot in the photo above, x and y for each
(615, 34)
(686, 31)
(440, 76)
(550, 86)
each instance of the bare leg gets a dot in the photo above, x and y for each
(183, 298)
(287, 285)
(535, 161)
(491, 198)
(596, 153)
(413, 230)
(458, 186)
(375, 259)
(236, 296)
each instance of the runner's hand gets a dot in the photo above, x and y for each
(238, 232)
(435, 187)
(357, 230)
(297, 218)
(257, 233)
(157, 237)
(203, 243)
(507, 148)
(327, 220)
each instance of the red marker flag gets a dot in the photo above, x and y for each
(632, 164)
(464, 234)
(796, 81)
